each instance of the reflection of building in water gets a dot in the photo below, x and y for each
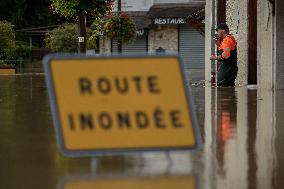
(239, 148)
(265, 138)
(278, 131)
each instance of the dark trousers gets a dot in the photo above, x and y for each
(227, 74)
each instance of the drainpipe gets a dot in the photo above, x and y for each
(213, 45)
(274, 47)
(210, 20)
(273, 4)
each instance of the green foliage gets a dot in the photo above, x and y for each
(72, 8)
(7, 40)
(22, 50)
(6, 64)
(27, 13)
(121, 27)
(65, 8)
(65, 39)
(10, 49)
(91, 42)
(96, 28)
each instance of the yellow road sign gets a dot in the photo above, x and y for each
(166, 182)
(7, 71)
(117, 104)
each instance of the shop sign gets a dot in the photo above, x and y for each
(170, 21)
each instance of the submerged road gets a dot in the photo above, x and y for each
(242, 133)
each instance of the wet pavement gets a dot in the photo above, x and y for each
(242, 132)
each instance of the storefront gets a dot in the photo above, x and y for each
(138, 46)
(169, 20)
(191, 47)
(164, 28)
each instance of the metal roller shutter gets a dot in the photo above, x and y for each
(191, 47)
(136, 47)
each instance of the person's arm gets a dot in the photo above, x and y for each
(218, 42)
(226, 53)
(213, 57)
(227, 47)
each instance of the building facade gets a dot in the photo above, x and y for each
(162, 28)
(258, 26)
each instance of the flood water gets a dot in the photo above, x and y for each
(242, 133)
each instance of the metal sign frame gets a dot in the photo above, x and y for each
(93, 153)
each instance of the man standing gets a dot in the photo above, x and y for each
(226, 56)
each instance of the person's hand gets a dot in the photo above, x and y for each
(217, 40)
(216, 36)
(213, 57)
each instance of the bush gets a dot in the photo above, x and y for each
(22, 50)
(65, 39)
(7, 40)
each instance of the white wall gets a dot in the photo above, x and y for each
(137, 5)
(270, 37)
(265, 43)
(265, 138)
(177, 1)
(144, 5)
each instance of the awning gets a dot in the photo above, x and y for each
(197, 21)
(38, 33)
(174, 10)
(140, 18)
(197, 17)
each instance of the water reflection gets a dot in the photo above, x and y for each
(28, 153)
(226, 121)
(157, 182)
(242, 131)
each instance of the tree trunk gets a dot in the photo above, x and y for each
(82, 32)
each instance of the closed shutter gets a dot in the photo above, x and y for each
(138, 46)
(191, 47)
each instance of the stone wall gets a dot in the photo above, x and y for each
(237, 19)
(105, 45)
(165, 37)
(265, 44)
